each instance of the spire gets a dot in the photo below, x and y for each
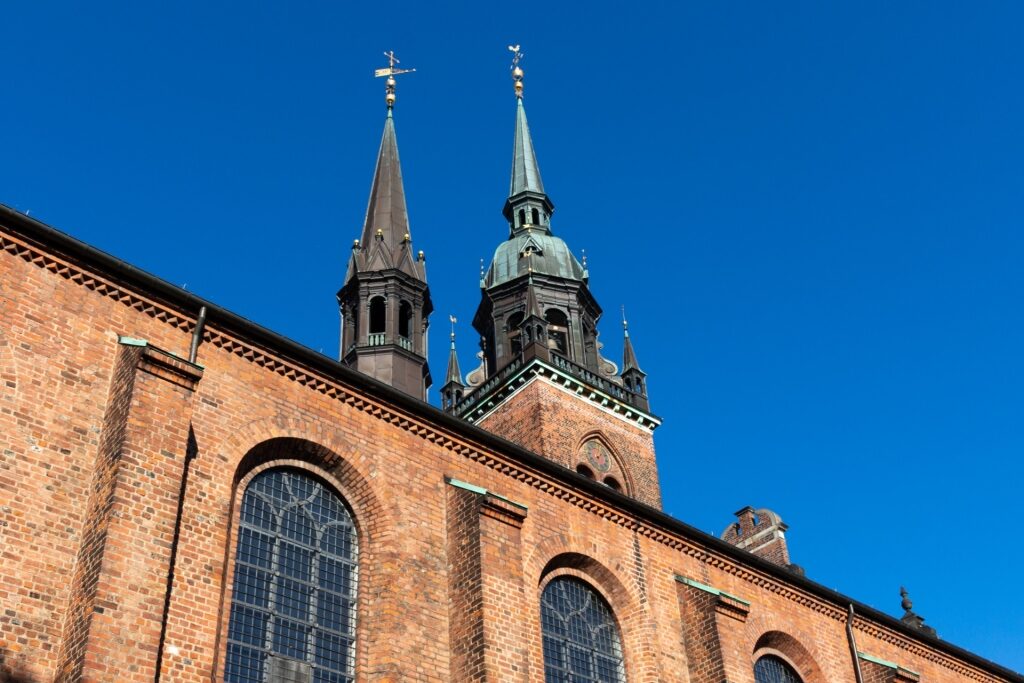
(525, 170)
(386, 241)
(532, 305)
(454, 373)
(628, 355)
(528, 205)
(385, 302)
(453, 389)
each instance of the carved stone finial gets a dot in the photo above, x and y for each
(906, 604)
(911, 618)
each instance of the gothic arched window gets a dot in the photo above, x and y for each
(772, 669)
(581, 639)
(293, 605)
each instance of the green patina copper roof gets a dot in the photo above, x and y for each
(549, 255)
(525, 170)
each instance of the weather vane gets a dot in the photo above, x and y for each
(625, 325)
(517, 71)
(390, 71)
(453, 321)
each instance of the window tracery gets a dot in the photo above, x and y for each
(581, 638)
(293, 604)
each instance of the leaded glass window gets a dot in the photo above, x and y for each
(581, 639)
(293, 605)
(772, 669)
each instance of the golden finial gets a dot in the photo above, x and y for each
(453, 321)
(625, 325)
(517, 71)
(390, 71)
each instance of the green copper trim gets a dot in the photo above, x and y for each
(885, 663)
(710, 589)
(479, 490)
(131, 341)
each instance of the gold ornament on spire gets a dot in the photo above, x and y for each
(517, 71)
(390, 71)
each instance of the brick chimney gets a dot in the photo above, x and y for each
(763, 533)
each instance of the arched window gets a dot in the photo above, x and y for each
(404, 319)
(558, 329)
(772, 669)
(581, 639)
(536, 217)
(522, 217)
(378, 309)
(293, 604)
(613, 484)
(585, 471)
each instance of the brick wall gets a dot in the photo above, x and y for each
(450, 580)
(554, 423)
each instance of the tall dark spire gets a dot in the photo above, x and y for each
(386, 241)
(385, 302)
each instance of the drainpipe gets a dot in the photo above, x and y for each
(853, 646)
(197, 335)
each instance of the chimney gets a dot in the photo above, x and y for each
(763, 533)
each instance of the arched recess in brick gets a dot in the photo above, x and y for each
(617, 470)
(372, 524)
(569, 555)
(792, 650)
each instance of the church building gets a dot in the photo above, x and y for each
(186, 496)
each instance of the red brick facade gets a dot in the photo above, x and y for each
(124, 465)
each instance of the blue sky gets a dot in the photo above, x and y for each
(810, 210)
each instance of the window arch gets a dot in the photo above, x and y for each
(772, 669)
(293, 603)
(581, 638)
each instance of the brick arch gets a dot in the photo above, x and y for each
(765, 636)
(317, 449)
(572, 555)
(619, 470)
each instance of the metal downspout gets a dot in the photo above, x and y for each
(197, 335)
(853, 646)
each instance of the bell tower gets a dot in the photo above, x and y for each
(385, 302)
(543, 382)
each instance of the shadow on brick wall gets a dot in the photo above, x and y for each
(13, 670)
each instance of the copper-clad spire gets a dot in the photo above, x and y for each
(525, 171)
(528, 206)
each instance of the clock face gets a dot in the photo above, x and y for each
(598, 455)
